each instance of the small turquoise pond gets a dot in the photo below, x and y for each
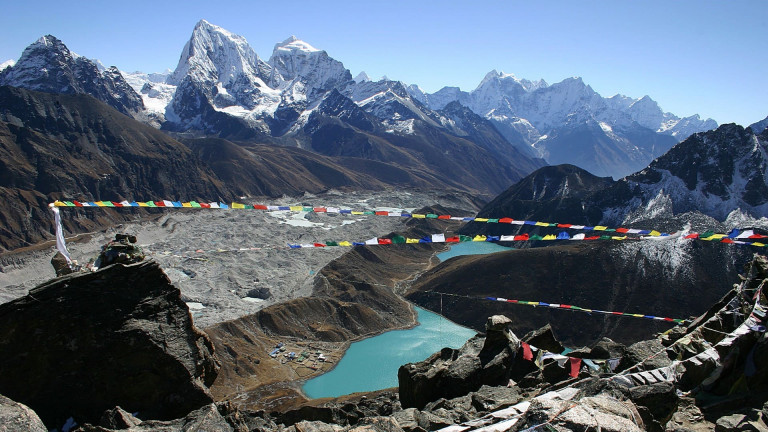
(471, 248)
(371, 364)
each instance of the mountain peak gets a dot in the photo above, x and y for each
(214, 54)
(295, 44)
(362, 77)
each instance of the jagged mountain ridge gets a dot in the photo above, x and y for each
(570, 122)
(49, 66)
(721, 174)
(222, 88)
(73, 147)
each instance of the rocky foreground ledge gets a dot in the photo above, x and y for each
(87, 342)
(116, 350)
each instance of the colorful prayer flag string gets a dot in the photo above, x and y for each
(568, 307)
(747, 237)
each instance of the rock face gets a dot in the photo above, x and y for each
(452, 373)
(87, 342)
(16, 417)
(49, 66)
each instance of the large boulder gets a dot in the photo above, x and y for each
(89, 341)
(451, 373)
(16, 417)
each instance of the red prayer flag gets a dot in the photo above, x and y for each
(563, 225)
(382, 213)
(77, 203)
(753, 236)
(692, 236)
(575, 366)
(592, 238)
(726, 240)
(527, 354)
(622, 230)
(159, 204)
(260, 207)
(116, 204)
(444, 217)
(319, 245)
(383, 241)
(522, 237)
(506, 220)
(320, 210)
(205, 205)
(453, 239)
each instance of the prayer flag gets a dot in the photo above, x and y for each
(527, 354)
(575, 366)
(438, 238)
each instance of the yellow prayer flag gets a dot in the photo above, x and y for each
(481, 219)
(411, 240)
(186, 204)
(58, 203)
(546, 224)
(480, 238)
(357, 212)
(758, 244)
(549, 237)
(297, 208)
(600, 228)
(143, 204)
(418, 216)
(618, 237)
(345, 243)
(238, 206)
(654, 233)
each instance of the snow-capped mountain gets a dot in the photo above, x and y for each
(760, 126)
(719, 175)
(613, 136)
(715, 172)
(6, 64)
(221, 87)
(300, 63)
(49, 66)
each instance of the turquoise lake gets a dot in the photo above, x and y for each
(371, 364)
(471, 248)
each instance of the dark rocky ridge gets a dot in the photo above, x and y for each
(712, 173)
(86, 342)
(55, 146)
(613, 276)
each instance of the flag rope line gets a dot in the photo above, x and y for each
(735, 236)
(330, 209)
(566, 307)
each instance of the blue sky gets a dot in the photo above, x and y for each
(702, 56)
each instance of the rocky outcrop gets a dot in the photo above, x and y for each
(16, 417)
(87, 342)
(451, 373)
